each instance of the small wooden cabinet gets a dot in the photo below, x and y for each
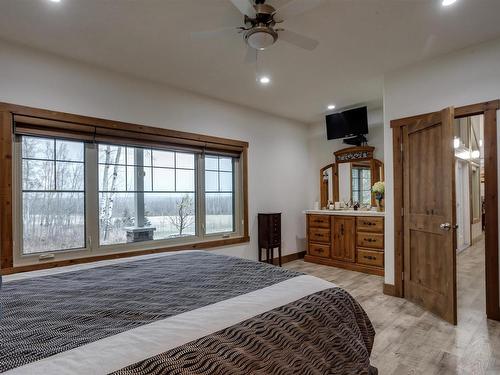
(270, 235)
(351, 242)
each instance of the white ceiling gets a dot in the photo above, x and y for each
(360, 40)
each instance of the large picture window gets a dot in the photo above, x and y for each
(100, 197)
(145, 194)
(53, 195)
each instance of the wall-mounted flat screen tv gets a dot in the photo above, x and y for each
(348, 123)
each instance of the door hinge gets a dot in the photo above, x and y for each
(402, 275)
(401, 147)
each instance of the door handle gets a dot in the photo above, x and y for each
(448, 226)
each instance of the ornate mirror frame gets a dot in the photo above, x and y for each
(348, 155)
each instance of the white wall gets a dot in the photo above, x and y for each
(278, 153)
(321, 149)
(465, 77)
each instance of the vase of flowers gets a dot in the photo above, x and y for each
(379, 190)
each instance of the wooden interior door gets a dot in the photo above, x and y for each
(429, 214)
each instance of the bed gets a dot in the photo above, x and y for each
(190, 312)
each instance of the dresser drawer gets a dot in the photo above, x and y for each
(373, 240)
(370, 257)
(319, 221)
(370, 224)
(319, 234)
(319, 250)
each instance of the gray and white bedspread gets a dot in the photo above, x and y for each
(191, 312)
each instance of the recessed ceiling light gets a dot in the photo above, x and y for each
(264, 80)
(55, 1)
(446, 3)
(331, 106)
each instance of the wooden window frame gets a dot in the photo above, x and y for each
(489, 110)
(66, 125)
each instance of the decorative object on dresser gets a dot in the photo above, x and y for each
(354, 242)
(270, 235)
(379, 190)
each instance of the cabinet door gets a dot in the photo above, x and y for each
(344, 244)
(337, 250)
(349, 240)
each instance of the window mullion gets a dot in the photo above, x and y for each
(91, 196)
(200, 196)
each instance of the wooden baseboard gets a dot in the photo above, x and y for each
(390, 289)
(346, 265)
(289, 258)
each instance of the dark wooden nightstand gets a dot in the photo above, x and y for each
(270, 235)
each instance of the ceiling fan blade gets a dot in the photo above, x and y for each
(214, 33)
(298, 40)
(245, 7)
(251, 55)
(294, 8)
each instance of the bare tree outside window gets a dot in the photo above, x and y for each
(145, 194)
(185, 214)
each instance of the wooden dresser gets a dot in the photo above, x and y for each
(352, 242)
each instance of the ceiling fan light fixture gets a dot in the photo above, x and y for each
(264, 80)
(447, 3)
(261, 37)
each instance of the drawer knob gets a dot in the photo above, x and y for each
(370, 240)
(369, 257)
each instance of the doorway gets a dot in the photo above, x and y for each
(468, 144)
(462, 183)
(426, 235)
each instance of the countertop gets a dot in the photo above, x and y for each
(345, 212)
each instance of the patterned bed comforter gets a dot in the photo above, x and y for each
(184, 313)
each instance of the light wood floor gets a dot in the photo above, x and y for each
(412, 341)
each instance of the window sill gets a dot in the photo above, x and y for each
(179, 247)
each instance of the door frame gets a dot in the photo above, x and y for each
(466, 203)
(489, 110)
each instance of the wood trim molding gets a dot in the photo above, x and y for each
(117, 125)
(246, 218)
(464, 111)
(70, 262)
(489, 110)
(6, 229)
(491, 214)
(397, 139)
(348, 266)
(390, 290)
(289, 258)
(323, 187)
(351, 154)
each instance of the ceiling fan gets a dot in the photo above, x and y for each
(260, 23)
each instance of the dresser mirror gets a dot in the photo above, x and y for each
(351, 177)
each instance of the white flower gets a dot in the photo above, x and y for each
(379, 187)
